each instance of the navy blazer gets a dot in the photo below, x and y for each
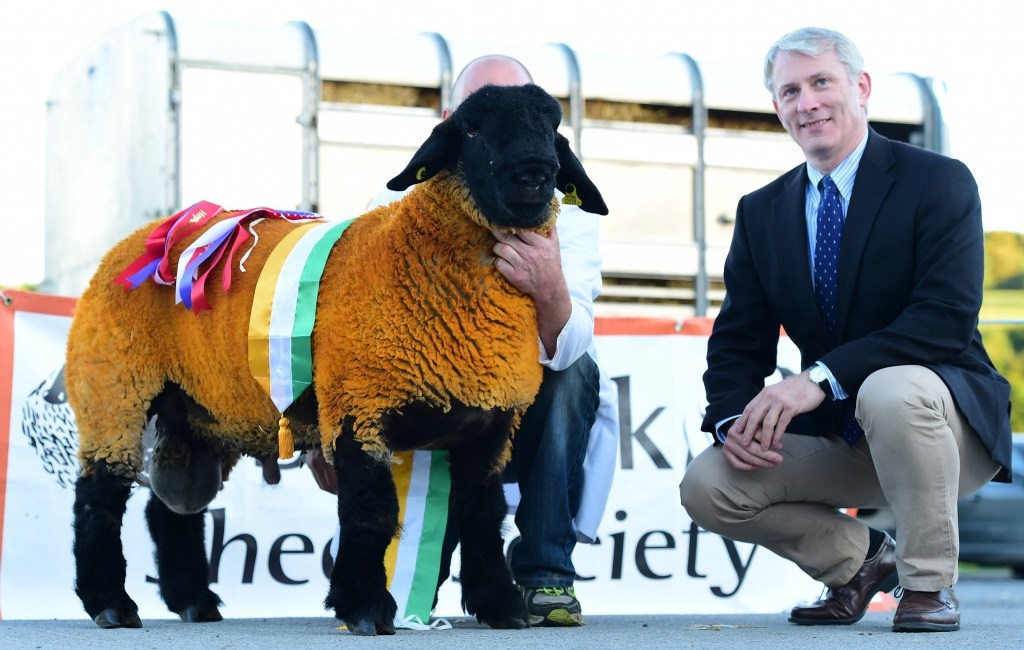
(909, 289)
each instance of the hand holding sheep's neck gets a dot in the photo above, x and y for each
(532, 263)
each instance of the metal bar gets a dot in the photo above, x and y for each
(204, 64)
(934, 131)
(445, 61)
(576, 108)
(309, 120)
(172, 186)
(700, 120)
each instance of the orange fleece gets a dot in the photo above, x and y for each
(411, 309)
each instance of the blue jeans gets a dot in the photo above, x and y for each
(547, 461)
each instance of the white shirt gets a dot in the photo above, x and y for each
(578, 235)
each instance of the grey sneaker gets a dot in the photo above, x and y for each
(552, 606)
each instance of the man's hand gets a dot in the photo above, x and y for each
(755, 437)
(748, 456)
(533, 264)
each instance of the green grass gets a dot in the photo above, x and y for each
(1003, 304)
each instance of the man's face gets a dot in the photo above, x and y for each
(821, 108)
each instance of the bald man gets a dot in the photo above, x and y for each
(561, 271)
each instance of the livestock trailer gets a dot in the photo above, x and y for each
(163, 112)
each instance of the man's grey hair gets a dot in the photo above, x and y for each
(814, 41)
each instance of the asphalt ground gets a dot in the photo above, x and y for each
(991, 606)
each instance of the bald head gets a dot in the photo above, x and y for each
(495, 69)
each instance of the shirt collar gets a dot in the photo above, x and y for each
(845, 172)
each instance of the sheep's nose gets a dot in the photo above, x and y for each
(534, 179)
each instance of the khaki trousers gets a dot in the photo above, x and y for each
(918, 456)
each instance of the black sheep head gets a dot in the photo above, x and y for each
(506, 140)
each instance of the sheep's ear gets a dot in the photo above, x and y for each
(574, 182)
(439, 151)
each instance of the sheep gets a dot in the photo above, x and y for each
(419, 343)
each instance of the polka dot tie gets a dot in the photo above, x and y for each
(826, 251)
(826, 267)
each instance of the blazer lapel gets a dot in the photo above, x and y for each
(789, 216)
(869, 191)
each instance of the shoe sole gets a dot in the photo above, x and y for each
(888, 584)
(834, 621)
(557, 618)
(925, 627)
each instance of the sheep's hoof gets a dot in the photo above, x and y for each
(510, 623)
(499, 606)
(196, 614)
(109, 619)
(364, 627)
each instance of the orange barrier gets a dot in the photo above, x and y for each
(16, 301)
(614, 326)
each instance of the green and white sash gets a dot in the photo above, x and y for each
(284, 310)
(422, 481)
(280, 358)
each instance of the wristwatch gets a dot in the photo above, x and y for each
(818, 375)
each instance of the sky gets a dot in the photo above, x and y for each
(972, 47)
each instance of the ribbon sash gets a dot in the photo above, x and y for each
(280, 358)
(223, 237)
(154, 262)
(422, 482)
(205, 246)
(284, 311)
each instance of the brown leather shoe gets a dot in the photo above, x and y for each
(847, 604)
(927, 611)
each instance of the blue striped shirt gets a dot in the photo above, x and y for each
(843, 176)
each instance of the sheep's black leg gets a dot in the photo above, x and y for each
(100, 500)
(479, 504)
(368, 514)
(182, 568)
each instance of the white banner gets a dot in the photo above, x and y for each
(268, 545)
(652, 559)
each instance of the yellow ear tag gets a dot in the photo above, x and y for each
(421, 172)
(570, 197)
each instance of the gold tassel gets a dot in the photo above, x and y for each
(285, 441)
